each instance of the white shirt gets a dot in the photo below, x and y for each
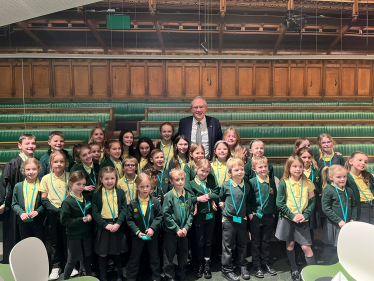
(204, 134)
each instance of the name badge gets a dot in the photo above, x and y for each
(259, 215)
(209, 216)
(88, 205)
(29, 220)
(237, 219)
(144, 237)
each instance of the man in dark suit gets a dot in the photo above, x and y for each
(200, 128)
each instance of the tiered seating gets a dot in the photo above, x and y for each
(8, 154)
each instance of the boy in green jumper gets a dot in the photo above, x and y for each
(56, 142)
(178, 214)
(263, 209)
(235, 203)
(157, 158)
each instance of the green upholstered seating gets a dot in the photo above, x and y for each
(7, 154)
(57, 117)
(42, 134)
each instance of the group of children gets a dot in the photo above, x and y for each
(112, 198)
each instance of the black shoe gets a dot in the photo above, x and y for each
(295, 275)
(244, 273)
(207, 271)
(119, 278)
(270, 269)
(258, 272)
(231, 276)
(82, 273)
(199, 270)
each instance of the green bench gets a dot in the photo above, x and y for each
(7, 154)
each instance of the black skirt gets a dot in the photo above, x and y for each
(79, 249)
(110, 243)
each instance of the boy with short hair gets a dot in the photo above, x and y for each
(235, 203)
(177, 210)
(152, 173)
(56, 142)
(10, 177)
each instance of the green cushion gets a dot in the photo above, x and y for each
(55, 117)
(42, 134)
(313, 272)
(7, 154)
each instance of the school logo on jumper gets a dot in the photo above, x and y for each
(182, 204)
(135, 210)
(271, 191)
(317, 179)
(166, 180)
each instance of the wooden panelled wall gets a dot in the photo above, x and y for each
(130, 79)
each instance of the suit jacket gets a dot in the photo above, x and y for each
(214, 130)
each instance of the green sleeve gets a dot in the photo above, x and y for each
(123, 208)
(271, 171)
(248, 200)
(41, 207)
(15, 204)
(282, 200)
(74, 168)
(96, 210)
(247, 171)
(130, 219)
(341, 160)
(43, 166)
(353, 206)
(188, 224)
(65, 216)
(189, 189)
(222, 197)
(71, 162)
(309, 209)
(253, 207)
(215, 190)
(156, 223)
(326, 202)
(167, 210)
(48, 205)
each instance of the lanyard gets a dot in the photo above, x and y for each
(218, 174)
(27, 197)
(259, 191)
(23, 156)
(369, 201)
(311, 172)
(180, 161)
(180, 207)
(324, 160)
(143, 215)
(83, 211)
(93, 171)
(128, 188)
(341, 203)
(115, 166)
(206, 192)
(160, 181)
(233, 201)
(167, 158)
(55, 189)
(301, 196)
(114, 210)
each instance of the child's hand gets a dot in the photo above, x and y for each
(244, 151)
(297, 218)
(302, 218)
(90, 188)
(351, 220)
(140, 235)
(184, 232)
(2, 209)
(337, 153)
(149, 232)
(341, 224)
(214, 206)
(203, 198)
(33, 214)
(85, 219)
(249, 235)
(89, 217)
(180, 233)
(220, 204)
(108, 227)
(250, 216)
(115, 227)
(24, 217)
(195, 209)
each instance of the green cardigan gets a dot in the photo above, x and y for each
(97, 205)
(268, 197)
(249, 173)
(164, 186)
(91, 178)
(315, 177)
(134, 218)
(18, 204)
(337, 159)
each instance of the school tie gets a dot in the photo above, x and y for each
(199, 138)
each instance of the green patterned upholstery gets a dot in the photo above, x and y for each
(7, 154)
(55, 117)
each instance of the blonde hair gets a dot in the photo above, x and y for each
(287, 167)
(103, 171)
(251, 144)
(52, 157)
(130, 159)
(56, 133)
(90, 140)
(238, 148)
(365, 174)
(30, 161)
(142, 177)
(74, 177)
(232, 162)
(329, 172)
(257, 160)
(319, 140)
(192, 149)
(177, 171)
(26, 137)
(203, 163)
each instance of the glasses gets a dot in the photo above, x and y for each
(198, 107)
(130, 165)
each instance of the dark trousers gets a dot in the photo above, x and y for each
(136, 253)
(234, 235)
(32, 229)
(204, 238)
(175, 245)
(260, 244)
(57, 234)
(217, 249)
(11, 234)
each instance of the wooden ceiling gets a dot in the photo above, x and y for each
(179, 27)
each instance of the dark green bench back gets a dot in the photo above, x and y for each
(7, 154)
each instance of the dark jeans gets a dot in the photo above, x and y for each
(175, 245)
(57, 234)
(32, 229)
(204, 238)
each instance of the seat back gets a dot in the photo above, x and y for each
(355, 249)
(29, 260)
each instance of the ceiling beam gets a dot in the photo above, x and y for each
(91, 25)
(343, 31)
(156, 23)
(281, 35)
(222, 4)
(24, 26)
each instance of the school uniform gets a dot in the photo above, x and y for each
(363, 197)
(249, 173)
(263, 207)
(56, 187)
(219, 170)
(177, 214)
(162, 184)
(204, 219)
(182, 162)
(236, 199)
(328, 160)
(115, 164)
(109, 208)
(168, 152)
(128, 186)
(289, 194)
(26, 199)
(91, 172)
(315, 176)
(141, 215)
(44, 163)
(141, 164)
(334, 201)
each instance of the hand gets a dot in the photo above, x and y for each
(220, 204)
(214, 206)
(149, 232)
(108, 227)
(203, 198)
(297, 218)
(250, 216)
(156, 142)
(128, 202)
(195, 209)
(184, 232)
(273, 215)
(140, 235)
(302, 218)
(341, 224)
(24, 217)
(180, 233)
(244, 151)
(33, 214)
(85, 219)
(250, 236)
(351, 220)
(89, 217)
(115, 227)
(159, 199)
(338, 153)
(90, 188)
(2, 209)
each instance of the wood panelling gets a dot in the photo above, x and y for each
(139, 79)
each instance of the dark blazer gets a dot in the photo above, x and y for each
(214, 130)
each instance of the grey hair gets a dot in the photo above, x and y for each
(199, 97)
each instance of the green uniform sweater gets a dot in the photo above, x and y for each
(91, 179)
(337, 159)
(237, 192)
(332, 208)
(268, 197)
(97, 206)
(18, 203)
(249, 173)
(134, 216)
(172, 214)
(108, 162)
(163, 185)
(44, 163)
(72, 217)
(315, 177)
(204, 208)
